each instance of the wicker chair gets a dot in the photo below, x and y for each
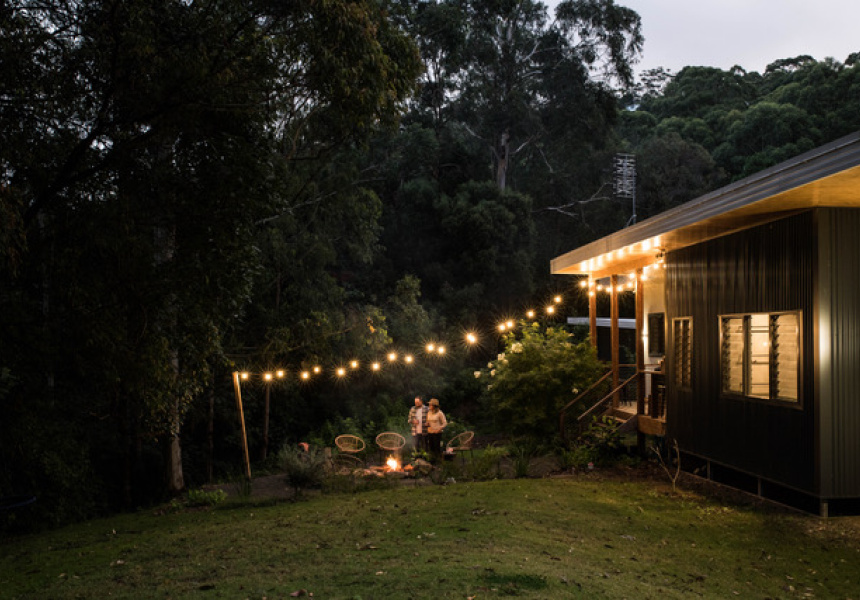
(349, 444)
(460, 443)
(391, 442)
(345, 464)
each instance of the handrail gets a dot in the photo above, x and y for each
(582, 394)
(607, 397)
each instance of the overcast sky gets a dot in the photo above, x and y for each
(749, 33)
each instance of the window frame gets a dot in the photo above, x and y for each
(657, 343)
(682, 376)
(747, 361)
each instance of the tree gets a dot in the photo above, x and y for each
(143, 145)
(539, 372)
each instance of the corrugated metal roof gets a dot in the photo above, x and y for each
(826, 176)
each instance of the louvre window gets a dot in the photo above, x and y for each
(682, 335)
(760, 355)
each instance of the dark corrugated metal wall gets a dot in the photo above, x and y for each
(840, 383)
(764, 269)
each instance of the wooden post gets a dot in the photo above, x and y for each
(614, 336)
(265, 451)
(242, 423)
(592, 317)
(640, 356)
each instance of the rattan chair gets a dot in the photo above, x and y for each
(460, 443)
(390, 441)
(349, 444)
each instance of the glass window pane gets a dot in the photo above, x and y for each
(786, 356)
(759, 352)
(732, 355)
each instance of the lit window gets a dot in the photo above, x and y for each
(682, 336)
(760, 355)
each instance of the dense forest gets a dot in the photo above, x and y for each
(195, 188)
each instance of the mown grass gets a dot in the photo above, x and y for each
(590, 536)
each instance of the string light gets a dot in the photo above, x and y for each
(280, 374)
(440, 350)
(471, 338)
(305, 375)
(375, 366)
(530, 314)
(353, 364)
(408, 359)
(267, 376)
(557, 299)
(317, 370)
(392, 356)
(550, 310)
(431, 347)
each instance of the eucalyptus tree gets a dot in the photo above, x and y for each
(142, 144)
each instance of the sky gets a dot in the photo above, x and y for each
(749, 33)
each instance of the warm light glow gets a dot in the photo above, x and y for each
(305, 375)
(550, 310)
(431, 348)
(502, 326)
(644, 277)
(392, 356)
(530, 314)
(583, 283)
(646, 245)
(510, 324)
(341, 371)
(317, 369)
(267, 376)
(440, 350)
(599, 287)
(591, 293)
(244, 375)
(408, 359)
(471, 338)
(353, 364)
(557, 299)
(280, 373)
(375, 366)
(392, 463)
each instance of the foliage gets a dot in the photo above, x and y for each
(705, 127)
(535, 376)
(303, 469)
(601, 441)
(205, 498)
(146, 148)
(487, 463)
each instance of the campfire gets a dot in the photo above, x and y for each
(393, 464)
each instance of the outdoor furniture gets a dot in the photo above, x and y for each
(345, 464)
(391, 441)
(460, 443)
(349, 444)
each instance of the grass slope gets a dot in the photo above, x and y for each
(590, 536)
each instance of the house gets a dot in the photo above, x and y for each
(754, 291)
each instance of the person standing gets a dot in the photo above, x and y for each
(436, 424)
(418, 420)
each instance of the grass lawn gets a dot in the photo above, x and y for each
(596, 535)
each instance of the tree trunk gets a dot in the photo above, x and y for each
(502, 156)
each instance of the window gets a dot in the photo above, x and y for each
(682, 336)
(656, 334)
(760, 355)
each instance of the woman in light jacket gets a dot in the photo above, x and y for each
(436, 423)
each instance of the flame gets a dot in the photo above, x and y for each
(393, 464)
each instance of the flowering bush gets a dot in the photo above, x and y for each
(531, 381)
